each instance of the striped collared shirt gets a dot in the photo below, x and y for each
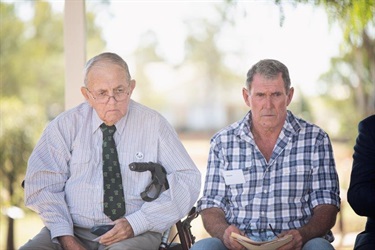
(64, 182)
(300, 175)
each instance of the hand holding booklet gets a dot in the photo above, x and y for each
(264, 245)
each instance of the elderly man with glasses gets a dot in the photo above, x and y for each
(78, 176)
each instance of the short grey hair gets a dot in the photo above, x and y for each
(106, 57)
(270, 69)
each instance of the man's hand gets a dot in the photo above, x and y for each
(121, 231)
(69, 242)
(296, 243)
(229, 241)
(322, 220)
(216, 225)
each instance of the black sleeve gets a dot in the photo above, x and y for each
(361, 193)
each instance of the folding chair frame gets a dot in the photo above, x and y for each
(187, 239)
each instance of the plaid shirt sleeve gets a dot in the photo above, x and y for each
(324, 177)
(214, 189)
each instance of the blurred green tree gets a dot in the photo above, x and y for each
(352, 86)
(32, 55)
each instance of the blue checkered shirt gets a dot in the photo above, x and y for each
(283, 192)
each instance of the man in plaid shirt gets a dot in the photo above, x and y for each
(270, 173)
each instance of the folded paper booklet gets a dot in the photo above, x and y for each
(264, 245)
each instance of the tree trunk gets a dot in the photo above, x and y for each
(10, 238)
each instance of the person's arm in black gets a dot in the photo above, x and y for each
(361, 193)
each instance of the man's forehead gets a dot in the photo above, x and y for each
(266, 82)
(261, 76)
(106, 76)
(267, 87)
(106, 87)
(104, 66)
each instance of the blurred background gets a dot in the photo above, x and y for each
(189, 59)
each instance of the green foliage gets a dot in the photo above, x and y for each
(32, 56)
(18, 133)
(352, 85)
(354, 16)
(11, 39)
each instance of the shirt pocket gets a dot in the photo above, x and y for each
(79, 162)
(90, 189)
(80, 156)
(239, 195)
(293, 184)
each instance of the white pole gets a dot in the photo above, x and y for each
(74, 50)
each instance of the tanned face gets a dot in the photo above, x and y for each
(268, 100)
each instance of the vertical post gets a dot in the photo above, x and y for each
(74, 50)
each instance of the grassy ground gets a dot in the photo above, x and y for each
(345, 230)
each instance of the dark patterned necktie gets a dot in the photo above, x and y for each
(114, 201)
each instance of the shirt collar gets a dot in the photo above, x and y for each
(291, 125)
(96, 121)
(243, 128)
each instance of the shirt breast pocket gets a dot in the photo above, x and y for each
(79, 162)
(241, 193)
(298, 181)
(295, 174)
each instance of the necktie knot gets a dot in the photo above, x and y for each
(107, 130)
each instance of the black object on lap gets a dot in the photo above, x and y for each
(101, 229)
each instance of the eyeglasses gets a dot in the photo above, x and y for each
(119, 95)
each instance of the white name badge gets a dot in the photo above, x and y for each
(233, 177)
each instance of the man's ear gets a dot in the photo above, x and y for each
(131, 86)
(84, 93)
(290, 96)
(246, 95)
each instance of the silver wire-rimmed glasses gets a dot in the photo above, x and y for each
(119, 94)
